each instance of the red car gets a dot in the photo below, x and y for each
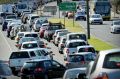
(42, 29)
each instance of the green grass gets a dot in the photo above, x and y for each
(98, 44)
(7, 1)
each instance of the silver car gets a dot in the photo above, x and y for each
(115, 26)
(106, 65)
(96, 18)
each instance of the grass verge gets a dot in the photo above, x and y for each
(98, 44)
(7, 1)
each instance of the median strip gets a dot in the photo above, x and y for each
(97, 43)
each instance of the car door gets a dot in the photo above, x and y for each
(57, 69)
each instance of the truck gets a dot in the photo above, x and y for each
(102, 7)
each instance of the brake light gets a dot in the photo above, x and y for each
(67, 50)
(102, 75)
(38, 70)
(62, 44)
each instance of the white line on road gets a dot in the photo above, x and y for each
(6, 41)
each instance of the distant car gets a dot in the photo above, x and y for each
(5, 71)
(87, 48)
(115, 27)
(38, 23)
(19, 36)
(18, 58)
(42, 29)
(71, 47)
(80, 16)
(59, 36)
(61, 45)
(56, 32)
(42, 69)
(76, 36)
(78, 60)
(96, 18)
(24, 39)
(70, 14)
(29, 45)
(74, 72)
(48, 34)
(106, 65)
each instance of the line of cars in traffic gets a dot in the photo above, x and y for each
(35, 60)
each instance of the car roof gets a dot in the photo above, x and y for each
(30, 42)
(86, 46)
(110, 51)
(77, 40)
(32, 15)
(27, 37)
(76, 33)
(32, 49)
(37, 60)
(74, 69)
(82, 53)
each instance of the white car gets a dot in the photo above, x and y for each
(87, 48)
(105, 66)
(71, 46)
(96, 18)
(18, 58)
(77, 36)
(29, 45)
(115, 27)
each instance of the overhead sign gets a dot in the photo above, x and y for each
(67, 6)
(50, 9)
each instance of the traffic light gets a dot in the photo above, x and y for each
(59, 1)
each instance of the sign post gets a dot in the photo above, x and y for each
(67, 6)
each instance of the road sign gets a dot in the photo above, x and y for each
(67, 6)
(50, 9)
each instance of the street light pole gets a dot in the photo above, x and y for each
(88, 25)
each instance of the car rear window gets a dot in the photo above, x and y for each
(22, 54)
(112, 61)
(31, 35)
(77, 36)
(30, 64)
(31, 45)
(76, 44)
(20, 34)
(90, 49)
(76, 58)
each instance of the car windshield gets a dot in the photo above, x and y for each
(53, 28)
(20, 34)
(76, 58)
(80, 13)
(22, 6)
(87, 49)
(78, 36)
(76, 44)
(11, 17)
(30, 45)
(34, 17)
(112, 61)
(90, 57)
(95, 16)
(117, 23)
(26, 40)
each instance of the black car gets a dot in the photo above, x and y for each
(42, 69)
(48, 34)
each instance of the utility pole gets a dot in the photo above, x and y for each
(88, 25)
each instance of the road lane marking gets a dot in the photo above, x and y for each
(6, 41)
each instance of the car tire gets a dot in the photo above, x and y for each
(15, 73)
(23, 77)
(60, 52)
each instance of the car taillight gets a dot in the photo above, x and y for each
(67, 50)
(18, 39)
(38, 70)
(62, 44)
(83, 62)
(102, 75)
